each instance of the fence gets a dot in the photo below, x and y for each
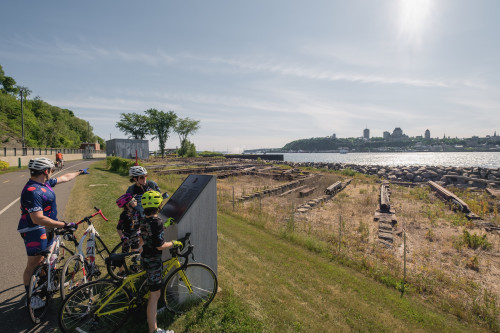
(43, 151)
(21, 156)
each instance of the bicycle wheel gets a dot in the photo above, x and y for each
(73, 275)
(203, 282)
(80, 310)
(132, 264)
(38, 296)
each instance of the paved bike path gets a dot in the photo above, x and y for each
(13, 315)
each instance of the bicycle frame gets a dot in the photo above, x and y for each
(90, 251)
(168, 265)
(54, 250)
(91, 231)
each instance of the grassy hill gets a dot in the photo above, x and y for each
(45, 125)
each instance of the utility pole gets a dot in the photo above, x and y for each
(21, 91)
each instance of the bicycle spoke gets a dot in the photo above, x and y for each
(203, 284)
(94, 307)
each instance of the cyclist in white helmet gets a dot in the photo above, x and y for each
(138, 175)
(39, 213)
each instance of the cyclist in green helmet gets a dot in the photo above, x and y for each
(153, 244)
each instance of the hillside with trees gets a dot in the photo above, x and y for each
(326, 144)
(45, 125)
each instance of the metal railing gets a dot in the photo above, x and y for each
(44, 151)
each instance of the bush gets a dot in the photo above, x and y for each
(3, 165)
(207, 153)
(120, 165)
(187, 149)
(475, 241)
(348, 172)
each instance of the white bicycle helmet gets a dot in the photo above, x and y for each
(137, 171)
(40, 164)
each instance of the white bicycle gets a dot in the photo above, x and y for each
(85, 265)
(45, 279)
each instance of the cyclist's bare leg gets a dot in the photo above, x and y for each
(151, 310)
(33, 261)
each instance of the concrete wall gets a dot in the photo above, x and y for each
(23, 160)
(126, 148)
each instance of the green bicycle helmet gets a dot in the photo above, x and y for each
(151, 199)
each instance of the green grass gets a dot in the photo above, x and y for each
(273, 282)
(12, 169)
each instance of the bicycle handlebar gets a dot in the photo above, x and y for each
(100, 213)
(87, 219)
(177, 251)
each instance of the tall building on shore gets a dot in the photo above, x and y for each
(366, 134)
(397, 133)
(427, 134)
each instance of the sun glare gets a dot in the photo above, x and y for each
(414, 19)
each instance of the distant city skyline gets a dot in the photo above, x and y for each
(427, 134)
(263, 73)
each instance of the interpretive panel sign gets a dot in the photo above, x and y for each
(184, 197)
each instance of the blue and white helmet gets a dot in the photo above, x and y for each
(40, 164)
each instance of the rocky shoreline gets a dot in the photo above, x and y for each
(445, 176)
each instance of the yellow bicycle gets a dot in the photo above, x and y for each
(104, 305)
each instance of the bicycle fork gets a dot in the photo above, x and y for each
(183, 276)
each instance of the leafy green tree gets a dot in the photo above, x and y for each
(135, 125)
(9, 86)
(161, 123)
(25, 91)
(185, 127)
(187, 149)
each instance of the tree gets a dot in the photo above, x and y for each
(185, 127)
(25, 91)
(9, 85)
(160, 124)
(187, 149)
(135, 125)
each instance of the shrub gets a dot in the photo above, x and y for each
(475, 241)
(187, 149)
(3, 165)
(348, 172)
(210, 154)
(120, 165)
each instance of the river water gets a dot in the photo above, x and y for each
(456, 159)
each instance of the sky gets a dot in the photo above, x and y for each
(260, 73)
